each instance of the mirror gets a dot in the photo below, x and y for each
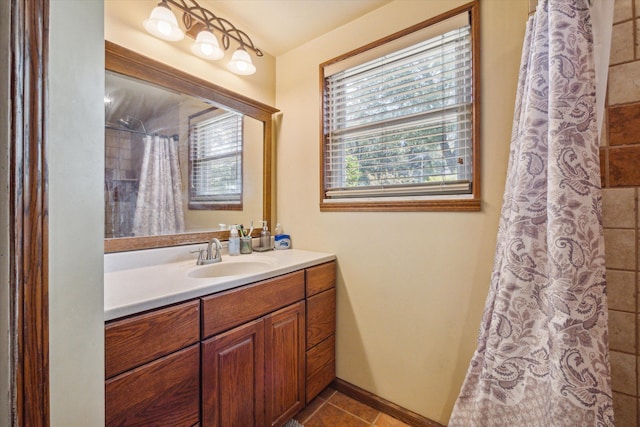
(154, 112)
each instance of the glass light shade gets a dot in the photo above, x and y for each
(163, 24)
(241, 63)
(206, 46)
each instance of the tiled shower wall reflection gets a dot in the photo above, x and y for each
(620, 167)
(123, 151)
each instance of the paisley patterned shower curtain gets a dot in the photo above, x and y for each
(542, 356)
(159, 205)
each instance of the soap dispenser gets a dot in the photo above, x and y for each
(234, 241)
(265, 238)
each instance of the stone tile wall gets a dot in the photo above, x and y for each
(620, 207)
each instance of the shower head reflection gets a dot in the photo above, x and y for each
(129, 123)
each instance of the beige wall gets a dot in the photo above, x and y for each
(411, 286)
(75, 153)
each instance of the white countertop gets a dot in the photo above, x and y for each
(143, 280)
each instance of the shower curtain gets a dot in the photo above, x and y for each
(159, 204)
(542, 355)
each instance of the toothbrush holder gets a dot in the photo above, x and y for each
(246, 245)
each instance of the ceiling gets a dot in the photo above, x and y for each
(277, 26)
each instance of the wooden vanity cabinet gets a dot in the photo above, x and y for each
(253, 374)
(249, 356)
(321, 328)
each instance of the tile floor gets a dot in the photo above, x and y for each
(332, 408)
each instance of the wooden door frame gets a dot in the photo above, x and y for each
(28, 213)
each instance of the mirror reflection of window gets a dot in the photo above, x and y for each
(215, 160)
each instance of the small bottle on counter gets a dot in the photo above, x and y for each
(234, 241)
(278, 229)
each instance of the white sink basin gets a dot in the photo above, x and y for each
(223, 269)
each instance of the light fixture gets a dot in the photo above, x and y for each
(202, 24)
(206, 46)
(163, 24)
(241, 63)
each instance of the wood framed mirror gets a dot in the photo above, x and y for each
(128, 68)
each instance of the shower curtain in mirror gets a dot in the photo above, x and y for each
(159, 204)
(542, 355)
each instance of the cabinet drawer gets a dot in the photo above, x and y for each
(321, 355)
(137, 340)
(320, 380)
(320, 278)
(165, 392)
(321, 317)
(237, 306)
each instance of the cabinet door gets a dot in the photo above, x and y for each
(233, 377)
(284, 363)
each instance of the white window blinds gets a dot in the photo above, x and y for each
(216, 160)
(401, 124)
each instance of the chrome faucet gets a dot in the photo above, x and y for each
(210, 258)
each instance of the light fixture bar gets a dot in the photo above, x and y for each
(193, 11)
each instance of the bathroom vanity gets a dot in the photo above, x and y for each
(219, 349)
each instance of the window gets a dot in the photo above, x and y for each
(400, 122)
(215, 160)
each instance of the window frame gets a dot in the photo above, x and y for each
(456, 202)
(212, 205)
